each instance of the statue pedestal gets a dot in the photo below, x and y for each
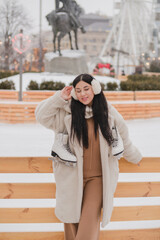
(71, 62)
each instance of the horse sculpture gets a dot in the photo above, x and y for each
(60, 22)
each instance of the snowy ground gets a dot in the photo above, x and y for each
(35, 140)
(40, 77)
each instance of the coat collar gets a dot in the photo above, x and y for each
(88, 111)
(67, 108)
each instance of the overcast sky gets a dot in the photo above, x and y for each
(90, 6)
(104, 7)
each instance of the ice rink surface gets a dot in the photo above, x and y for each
(36, 140)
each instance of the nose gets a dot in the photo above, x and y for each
(82, 92)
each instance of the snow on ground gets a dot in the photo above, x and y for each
(40, 77)
(36, 140)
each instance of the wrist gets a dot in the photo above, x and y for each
(63, 97)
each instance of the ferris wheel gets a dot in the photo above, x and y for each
(133, 35)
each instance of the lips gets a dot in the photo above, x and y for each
(85, 99)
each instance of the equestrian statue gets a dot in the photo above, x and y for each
(64, 20)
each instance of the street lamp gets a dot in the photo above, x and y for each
(40, 35)
(20, 44)
(20, 66)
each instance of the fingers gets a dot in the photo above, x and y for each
(69, 88)
(66, 92)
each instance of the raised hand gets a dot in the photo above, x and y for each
(66, 92)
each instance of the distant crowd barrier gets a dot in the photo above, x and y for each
(37, 217)
(36, 96)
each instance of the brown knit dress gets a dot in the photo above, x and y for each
(91, 155)
(88, 227)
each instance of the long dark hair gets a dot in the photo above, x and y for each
(100, 115)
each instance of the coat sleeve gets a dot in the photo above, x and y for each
(50, 112)
(131, 153)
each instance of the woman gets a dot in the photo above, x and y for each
(83, 113)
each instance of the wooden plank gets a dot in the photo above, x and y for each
(17, 109)
(2, 93)
(18, 119)
(32, 236)
(136, 110)
(25, 165)
(135, 234)
(17, 113)
(13, 110)
(17, 104)
(27, 190)
(47, 190)
(137, 189)
(8, 97)
(28, 215)
(136, 213)
(43, 165)
(39, 93)
(147, 164)
(46, 215)
(22, 115)
(147, 95)
(32, 96)
(129, 94)
(137, 114)
(14, 121)
(34, 99)
(136, 107)
(138, 117)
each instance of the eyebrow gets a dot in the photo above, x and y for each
(83, 87)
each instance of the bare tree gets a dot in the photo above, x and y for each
(12, 19)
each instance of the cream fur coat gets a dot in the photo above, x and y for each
(54, 113)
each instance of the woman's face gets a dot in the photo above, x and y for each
(84, 93)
